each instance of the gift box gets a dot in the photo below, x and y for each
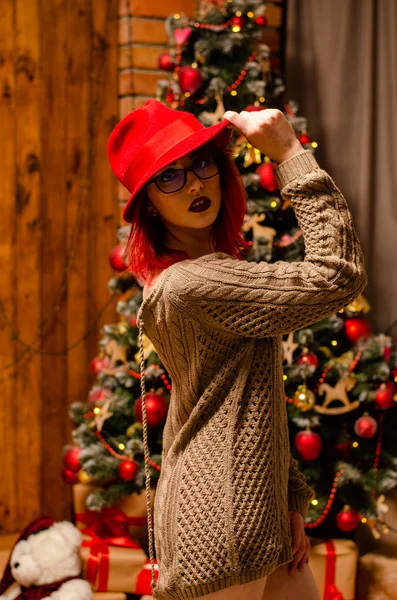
(134, 506)
(334, 567)
(113, 561)
(109, 596)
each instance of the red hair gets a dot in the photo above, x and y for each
(146, 247)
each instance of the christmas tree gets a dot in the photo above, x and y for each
(339, 377)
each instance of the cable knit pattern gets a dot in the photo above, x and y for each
(228, 478)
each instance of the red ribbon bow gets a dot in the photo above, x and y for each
(109, 527)
(331, 592)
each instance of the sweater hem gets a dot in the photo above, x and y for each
(196, 591)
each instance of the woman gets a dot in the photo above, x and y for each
(230, 502)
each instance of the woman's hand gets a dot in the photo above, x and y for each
(300, 542)
(267, 130)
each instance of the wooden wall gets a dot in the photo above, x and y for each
(59, 217)
(68, 72)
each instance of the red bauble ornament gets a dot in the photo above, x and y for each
(308, 359)
(69, 476)
(128, 469)
(165, 62)
(267, 178)
(116, 258)
(348, 518)
(133, 321)
(99, 363)
(261, 21)
(156, 409)
(238, 22)
(99, 395)
(384, 395)
(308, 444)
(190, 79)
(365, 426)
(304, 139)
(356, 329)
(71, 460)
(343, 449)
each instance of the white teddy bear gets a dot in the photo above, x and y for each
(45, 563)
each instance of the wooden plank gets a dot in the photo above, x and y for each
(9, 475)
(145, 30)
(27, 403)
(139, 81)
(141, 55)
(78, 165)
(54, 38)
(162, 8)
(103, 200)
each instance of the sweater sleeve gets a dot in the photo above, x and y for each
(300, 494)
(265, 299)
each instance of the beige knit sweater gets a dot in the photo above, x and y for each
(227, 478)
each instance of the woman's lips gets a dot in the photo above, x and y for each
(204, 206)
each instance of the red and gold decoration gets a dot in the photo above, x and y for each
(348, 518)
(156, 409)
(98, 363)
(289, 347)
(334, 566)
(309, 444)
(116, 258)
(128, 470)
(308, 358)
(384, 395)
(71, 459)
(365, 426)
(357, 329)
(337, 392)
(114, 559)
(190, 79)
(165, 62)
(267, 178)
(304, 399)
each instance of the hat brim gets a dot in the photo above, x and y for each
(218, 133)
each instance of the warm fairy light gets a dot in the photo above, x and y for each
(250, 14)
(236, 28)
(364, 520)
(314, 502)
(187, 94)
(194, 65)
(285, 377)
(262, 99)
(355, 444)
(121, 446)
(334, 343)
(395, 379)
(274, 204)
(233, 93)
(97, 410)
(177, 16)
(238, 13)
(314, 145)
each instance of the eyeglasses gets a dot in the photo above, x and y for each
(173, 180)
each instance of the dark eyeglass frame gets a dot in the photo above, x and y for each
(185, 171)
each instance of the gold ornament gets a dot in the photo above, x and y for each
(259, 232)
(289, 348)
(134, 427)
(251, 154)
(344, 360)
(84, 477)
(304, 398)
(147, 348)
(360, 304)
(217, 116)
(338, 392)
(102, 415)
(117, 354)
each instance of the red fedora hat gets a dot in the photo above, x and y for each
(150, 138)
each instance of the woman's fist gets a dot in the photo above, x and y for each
(267, 130)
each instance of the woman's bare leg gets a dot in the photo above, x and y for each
(247, 591)
(280, 585)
